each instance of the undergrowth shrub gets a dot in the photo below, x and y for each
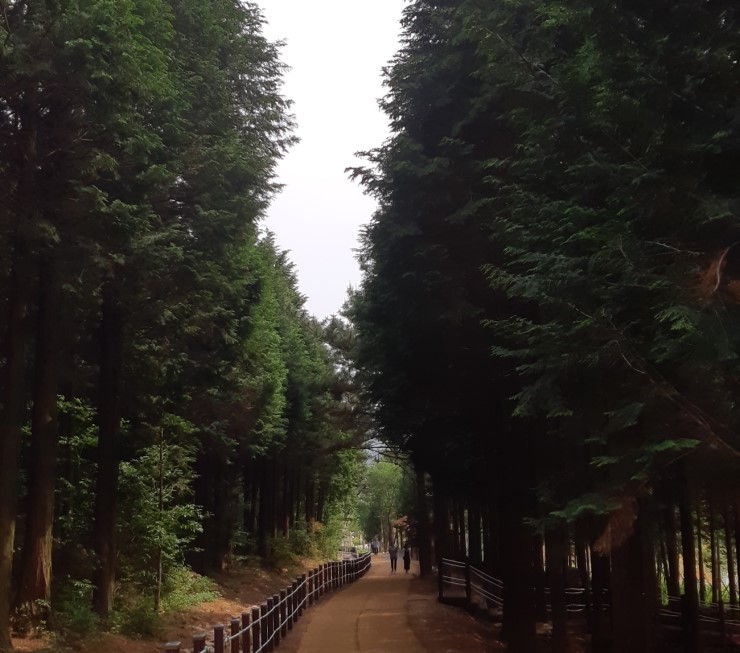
(182, 588)
(134, 616)
(73, 612)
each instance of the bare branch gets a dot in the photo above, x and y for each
(720, 264)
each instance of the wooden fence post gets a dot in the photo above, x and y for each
(283, 613)
(247, 628)
(309, 588)
(277, 618)
(293, 603)
(321, 580)
(199, 643)
(218, 638)
(234, 633)
(269, 642)
(289, 606)
(303, 593)
(172, 646)
(265, 623)
(257, 626)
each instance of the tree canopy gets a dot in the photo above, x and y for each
(549, 284)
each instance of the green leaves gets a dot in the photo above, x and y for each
(568, 155)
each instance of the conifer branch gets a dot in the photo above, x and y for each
(4, 8)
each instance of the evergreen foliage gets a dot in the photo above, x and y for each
(550, 289)
(179, 402)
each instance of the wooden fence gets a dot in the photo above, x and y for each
(263, 626)
(460, 583)
(718, 623)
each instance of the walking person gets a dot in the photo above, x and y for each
(393, 553)
(406, 558)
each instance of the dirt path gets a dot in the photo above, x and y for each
(384, 613)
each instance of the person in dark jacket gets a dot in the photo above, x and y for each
(393, 554)
(406, 558)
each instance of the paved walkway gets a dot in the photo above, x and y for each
(381, 613)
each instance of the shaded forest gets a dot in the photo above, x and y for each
(548, 319)
(165, 397)
(544, 330)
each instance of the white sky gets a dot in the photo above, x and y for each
(336, 49)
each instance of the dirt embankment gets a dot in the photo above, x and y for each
(240, 588)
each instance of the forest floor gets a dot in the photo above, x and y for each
(239, 588)
(383, 612)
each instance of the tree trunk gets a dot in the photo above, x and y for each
(700, 552)
(12, 382)
(298, 497)
(461, 533)
(690, 605)
(441, 522)
(516, 504)
(109, 427)
(455, 536)
(730, 558)
(219, 543)
(249, 491)
(266, 506)
(540, 584)
(285, 499)
(160, 510)
(11, 420)
(556, 556)
(714, 558)
(35, 580)
(736, 515)
(310, 503)
(581, 539)
(197, 557)
(474, 534)
(288, 499)
(320, 503)
(518, 626)
(423, 543)
(600, 637)
(632, 607)
(673, 579)
(492, 537)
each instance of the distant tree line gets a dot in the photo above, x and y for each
(164, 395)
(548, 321)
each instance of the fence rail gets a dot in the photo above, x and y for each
(459, 576)
(463, 584)
(261, 628)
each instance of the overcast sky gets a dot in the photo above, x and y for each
(336, 49)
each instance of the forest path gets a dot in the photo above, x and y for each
(384, 613)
